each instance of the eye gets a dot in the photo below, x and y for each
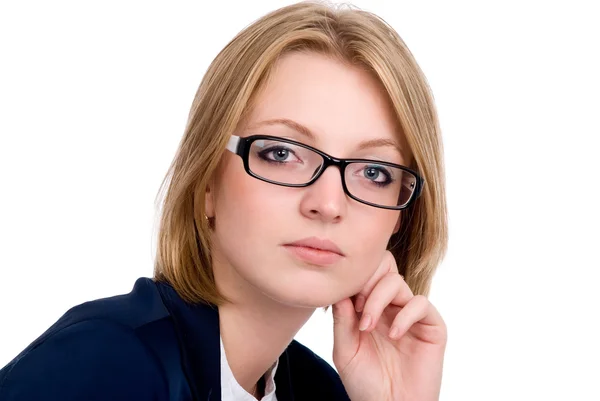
(277, 154)
(376, 174)
(280, 154)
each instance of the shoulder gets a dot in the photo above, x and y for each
(92, 352)
(141, 306)
(91, 359)
(312, 374)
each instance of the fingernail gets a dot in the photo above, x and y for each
(394, 332)
(365, 322)
(360, 303)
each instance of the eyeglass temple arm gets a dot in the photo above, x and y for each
(234, 144)
(420, 187)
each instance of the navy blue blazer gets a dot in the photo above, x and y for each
(147, 345)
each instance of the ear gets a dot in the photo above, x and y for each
(209, 204)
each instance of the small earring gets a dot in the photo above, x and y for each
(206, 217)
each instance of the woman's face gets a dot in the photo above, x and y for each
(343, 108)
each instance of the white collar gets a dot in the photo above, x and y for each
(231, 390)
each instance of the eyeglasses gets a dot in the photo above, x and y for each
(288, 163)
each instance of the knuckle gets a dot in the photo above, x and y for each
(395, 277)
(391, 276)
(391, 260)
(392, 280)
(421, 299)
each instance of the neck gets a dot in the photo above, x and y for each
(255, 329)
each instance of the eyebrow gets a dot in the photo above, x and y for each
(371, 143)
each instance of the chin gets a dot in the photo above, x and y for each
(300, 296)
(296, 284)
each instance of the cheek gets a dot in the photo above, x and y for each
(376, 228)
(256, 198)
(248, 209)
(370, 242)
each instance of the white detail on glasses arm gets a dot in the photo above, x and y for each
(233, 143)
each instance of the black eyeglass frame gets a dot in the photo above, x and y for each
(241, 147)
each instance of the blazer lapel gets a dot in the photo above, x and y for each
(198, 333)
(197, 328)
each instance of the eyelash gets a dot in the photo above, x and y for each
(262, 154)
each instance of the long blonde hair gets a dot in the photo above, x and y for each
(224, 98)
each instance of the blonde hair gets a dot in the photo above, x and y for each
(223, 100)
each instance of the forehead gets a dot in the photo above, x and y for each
(340, 104)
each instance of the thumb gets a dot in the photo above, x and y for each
(345, 333)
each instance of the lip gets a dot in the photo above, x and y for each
(319, 244)
(315, 251)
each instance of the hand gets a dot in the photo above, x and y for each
(375, 366)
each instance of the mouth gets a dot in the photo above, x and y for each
(315, 251)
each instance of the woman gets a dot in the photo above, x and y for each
(310, 174)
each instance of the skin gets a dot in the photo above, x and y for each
(273, 292)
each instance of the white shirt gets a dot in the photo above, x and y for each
(231, 390)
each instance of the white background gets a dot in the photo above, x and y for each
(94, 99)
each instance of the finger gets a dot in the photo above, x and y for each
(345, 334)
(387, 264)
(417, 310)
(391, 290)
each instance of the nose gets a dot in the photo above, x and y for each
(325, 199)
